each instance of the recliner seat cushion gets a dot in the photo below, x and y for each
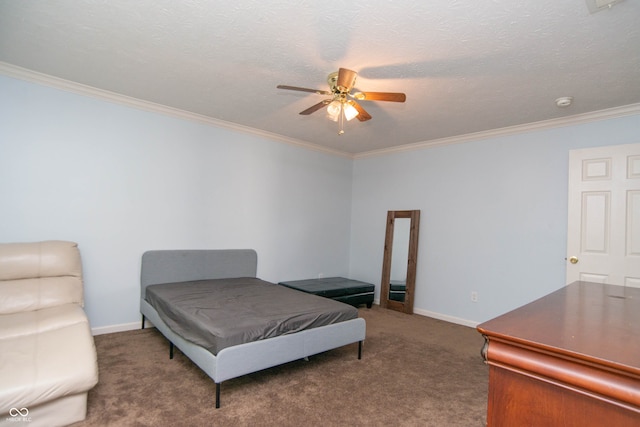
(58, 358)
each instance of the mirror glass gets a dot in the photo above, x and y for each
(399, 262)
(399, 257)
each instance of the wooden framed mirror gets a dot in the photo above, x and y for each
(399, 262)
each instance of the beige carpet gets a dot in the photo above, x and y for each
(415, 371)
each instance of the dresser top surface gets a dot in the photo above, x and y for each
(586, 320)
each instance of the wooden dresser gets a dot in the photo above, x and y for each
(571, 358)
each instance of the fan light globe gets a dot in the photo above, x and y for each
(334, 109)
(350, 111)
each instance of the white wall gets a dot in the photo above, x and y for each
(493, 216)
(120, 181)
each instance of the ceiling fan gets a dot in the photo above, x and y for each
(342, 103)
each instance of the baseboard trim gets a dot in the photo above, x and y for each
(123, 327)
(446, 318)
(440, 316)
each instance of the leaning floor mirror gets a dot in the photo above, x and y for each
(399, 262)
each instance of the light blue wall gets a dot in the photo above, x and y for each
(120, 181)
(493, 216)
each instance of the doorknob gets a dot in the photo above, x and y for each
(573, 260)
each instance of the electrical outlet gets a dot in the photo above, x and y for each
(474, 296)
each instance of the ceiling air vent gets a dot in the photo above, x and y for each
(598, 5)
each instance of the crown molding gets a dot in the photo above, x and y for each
(610, 113)
(20, 73)
(31, 76)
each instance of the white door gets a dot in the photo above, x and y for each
(603, 243)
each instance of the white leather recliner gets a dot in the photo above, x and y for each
(48, 359)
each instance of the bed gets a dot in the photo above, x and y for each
(168, 275)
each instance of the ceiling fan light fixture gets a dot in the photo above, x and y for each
(337, 111)
(339, 107)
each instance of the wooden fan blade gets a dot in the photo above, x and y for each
(346, 79)
(316, 107)
(380, 96)
(363, 116)
(304, 89)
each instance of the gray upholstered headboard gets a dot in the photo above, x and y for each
(168, 266)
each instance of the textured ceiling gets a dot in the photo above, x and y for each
(466, 66)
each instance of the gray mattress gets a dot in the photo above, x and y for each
(220, 313)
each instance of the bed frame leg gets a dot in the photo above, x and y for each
(143, 319)
(359, 350)
(170, 350)
(217, 395)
